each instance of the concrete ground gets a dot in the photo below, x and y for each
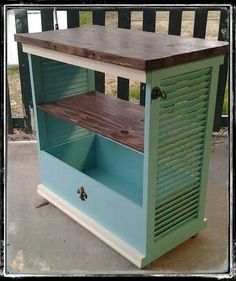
(46, 241)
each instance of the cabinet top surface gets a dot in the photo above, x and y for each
(135, 49)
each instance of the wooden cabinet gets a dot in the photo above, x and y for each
(134, 176)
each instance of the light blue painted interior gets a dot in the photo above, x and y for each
(58, 131)
(80, 154)
(108, 207)
(107, 162)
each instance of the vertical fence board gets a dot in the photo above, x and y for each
(22, 27)
(175, 20)
(72, 18)
(200, 23)
(99, 19)
(124, 21)
(149, 24)
(223, 36)
(47, 19)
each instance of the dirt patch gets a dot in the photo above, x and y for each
(20, 135)
(15, 92)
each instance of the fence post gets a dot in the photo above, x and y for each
(47, 19)
(72, 18)
(223, 36)
(22, 27)
(99, 19)
(149, 24)
(200, 23)
(175, 21)
(124, 17)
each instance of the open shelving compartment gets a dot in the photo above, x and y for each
(112, 143)
(97, 141)
(116, 119)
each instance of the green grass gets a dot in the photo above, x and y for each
(134, 92)
(13, 71)
(85, 18)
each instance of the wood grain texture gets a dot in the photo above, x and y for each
(108, 116)
(136, 49)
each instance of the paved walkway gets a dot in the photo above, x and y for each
(46, 241)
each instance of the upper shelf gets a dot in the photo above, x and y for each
(134, 49)
(108, 116)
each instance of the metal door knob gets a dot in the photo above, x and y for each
(82, 193)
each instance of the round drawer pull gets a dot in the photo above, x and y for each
(82, 193)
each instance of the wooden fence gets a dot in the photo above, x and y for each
(124, 21)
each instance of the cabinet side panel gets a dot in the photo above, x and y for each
(183, 129)
(181, 135)
(54, 80)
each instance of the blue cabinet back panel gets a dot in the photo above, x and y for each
(62, 80)
(60, 131)
(57, 80)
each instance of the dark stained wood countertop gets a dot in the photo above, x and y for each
(135, 49)
(116, 119)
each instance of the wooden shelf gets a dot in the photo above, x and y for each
(108, 116)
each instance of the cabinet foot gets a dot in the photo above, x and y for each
(43, 203)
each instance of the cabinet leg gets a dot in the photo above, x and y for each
(43, 203)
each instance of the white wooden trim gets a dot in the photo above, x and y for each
(118, 70)
(105, 235)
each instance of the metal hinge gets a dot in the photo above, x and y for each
(157, 92)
